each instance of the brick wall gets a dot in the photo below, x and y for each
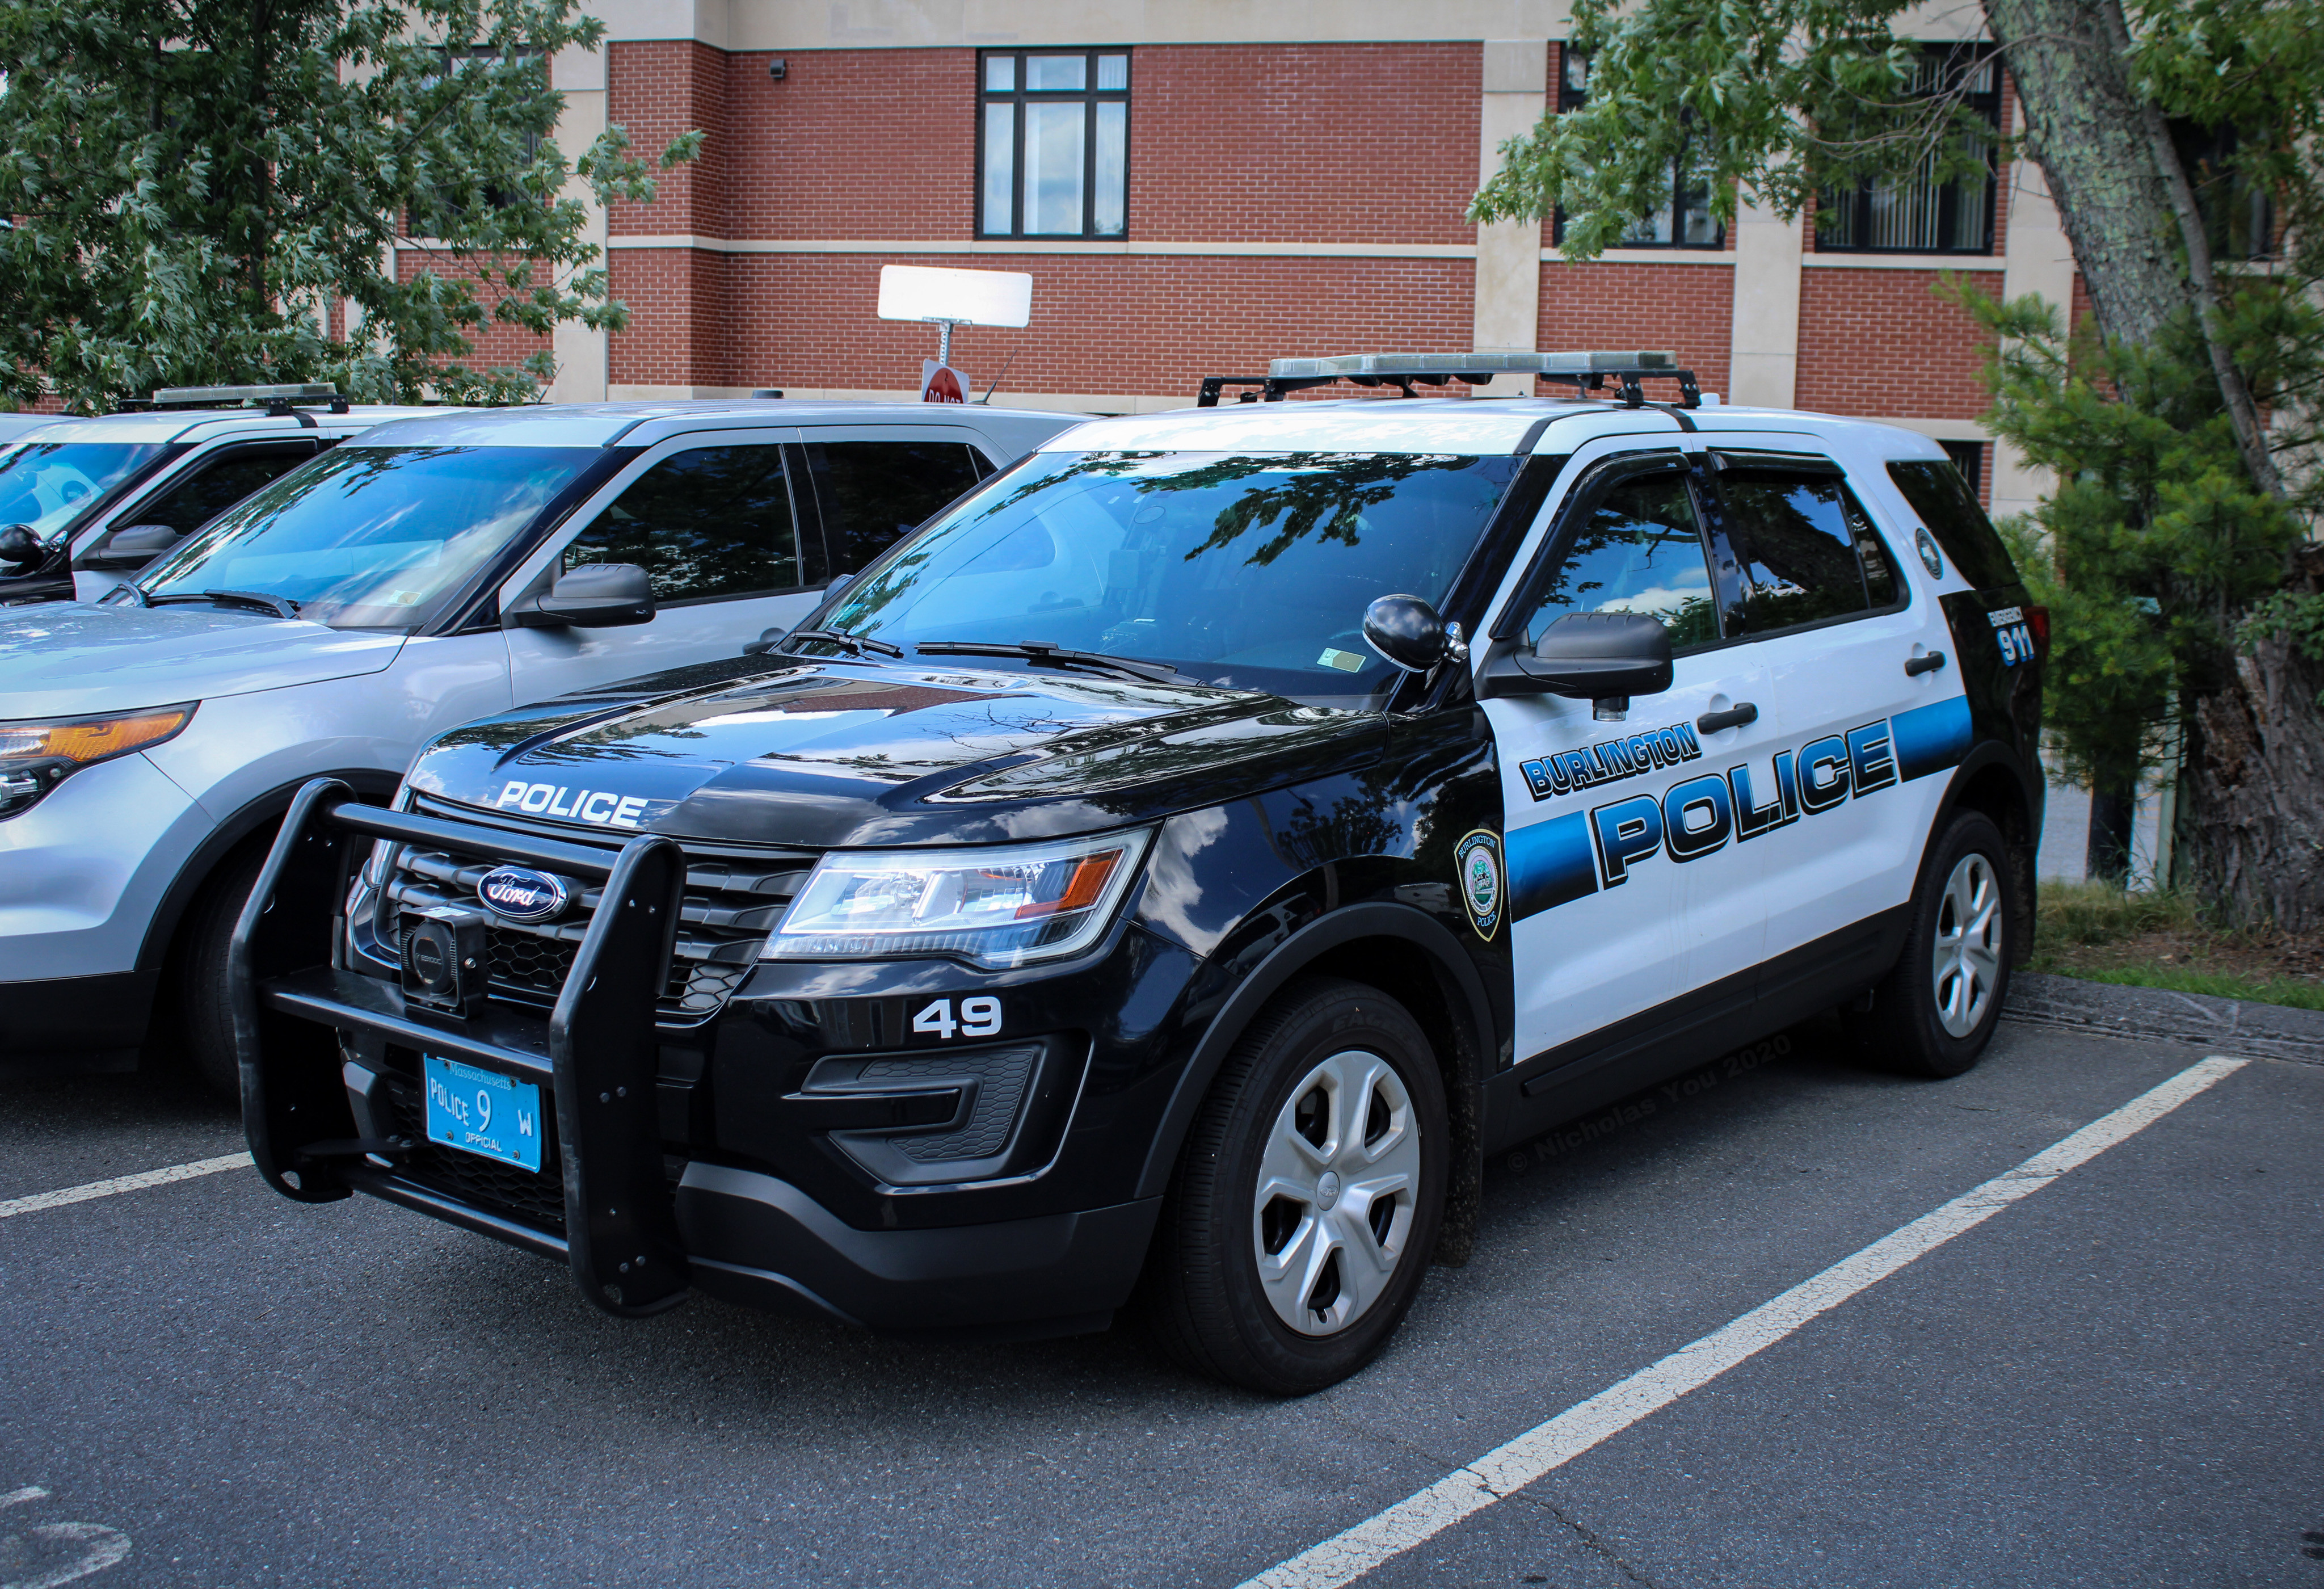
(497, 346)
(656, 90)
(1100, 323)
(1688, 309)
(1880, 342)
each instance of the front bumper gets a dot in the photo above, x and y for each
(329, 1063)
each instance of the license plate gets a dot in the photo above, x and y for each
(484, 1113)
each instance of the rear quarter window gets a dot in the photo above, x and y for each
(1945, 503)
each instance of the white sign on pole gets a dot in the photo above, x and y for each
(963, 297)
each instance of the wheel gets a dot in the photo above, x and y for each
(205, 1019)
(1298, 1226)
(1933, 1013)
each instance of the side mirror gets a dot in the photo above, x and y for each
(134, 547)
(20, 546)
(1407, 632)
(1586, 656)
(769, 639)
(594, 595)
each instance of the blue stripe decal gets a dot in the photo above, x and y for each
(1929, 739)
(1550, 863)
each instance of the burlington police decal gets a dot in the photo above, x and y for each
(1476, 861)
(1610, 761)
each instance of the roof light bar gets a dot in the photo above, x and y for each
(1587, 371)
(1479, 363)
(298, 391)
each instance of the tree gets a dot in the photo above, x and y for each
(2182, 432)
(196, 186)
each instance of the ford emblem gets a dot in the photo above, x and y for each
(522, 894)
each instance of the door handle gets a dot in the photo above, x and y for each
(1733, 718)
(1916, 666)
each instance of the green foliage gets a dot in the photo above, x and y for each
(193, 182)
(2154, 543)
(1784, 98)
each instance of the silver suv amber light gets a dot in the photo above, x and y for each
(1001, 905)
(37, 756)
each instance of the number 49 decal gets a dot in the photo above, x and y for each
(979, 1018)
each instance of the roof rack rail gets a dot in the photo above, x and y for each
(278, 400)
(1586, 372)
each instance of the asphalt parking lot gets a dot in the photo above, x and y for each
(2113, 1381)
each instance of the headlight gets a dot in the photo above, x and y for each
(36, 756)
(1000, 906)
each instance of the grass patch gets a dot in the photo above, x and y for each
(2164, 940)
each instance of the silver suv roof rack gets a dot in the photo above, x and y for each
(279, 399)
(1586, 372)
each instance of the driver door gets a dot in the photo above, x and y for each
(1632, 896)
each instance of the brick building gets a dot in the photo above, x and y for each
(1197, 188)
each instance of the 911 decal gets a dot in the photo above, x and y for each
(2010, 629)
(1579, 852)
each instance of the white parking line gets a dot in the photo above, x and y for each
(123, 1183)
(1503, 1472)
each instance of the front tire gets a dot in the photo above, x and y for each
(1298, 1226)
(1934, 1012)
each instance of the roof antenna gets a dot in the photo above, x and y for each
(989, 391)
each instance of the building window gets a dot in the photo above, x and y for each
(1685, 219)
(1968, 457)
(1053, 144)
(1918, 214)
(2236, 211)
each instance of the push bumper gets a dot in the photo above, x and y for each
(327, 1113)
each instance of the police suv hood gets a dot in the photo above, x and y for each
(67, 659)
(825, 754)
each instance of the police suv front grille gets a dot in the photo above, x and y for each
(733, 898)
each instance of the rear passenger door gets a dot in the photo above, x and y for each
(714, 522)
(1831, 615)
(873, 485)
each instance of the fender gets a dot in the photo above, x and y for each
(2030, 793)
(371, 786)
(1465, 991)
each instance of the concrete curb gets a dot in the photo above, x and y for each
(2226, 1026)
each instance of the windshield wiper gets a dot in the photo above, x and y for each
(1055, 656)
(280, 606)
(856, 644)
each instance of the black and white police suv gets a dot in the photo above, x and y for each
(1178, 866)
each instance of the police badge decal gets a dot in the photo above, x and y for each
(1477, 861)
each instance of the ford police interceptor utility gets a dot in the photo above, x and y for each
(86, 502)
(430, 571)
(1177, 867)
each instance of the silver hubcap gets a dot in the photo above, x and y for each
(1965, 960)
(1334, 1208)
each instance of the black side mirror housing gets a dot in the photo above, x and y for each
(134, 547)
(769, 639)
(20, 546)
(1410, 633)
(594, 595)
(1586, 656)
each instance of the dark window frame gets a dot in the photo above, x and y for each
(1017, 98)
(1683, 199)
(1951, 62)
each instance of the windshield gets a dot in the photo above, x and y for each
(45, 484)
(1248, 572)
(374, 536)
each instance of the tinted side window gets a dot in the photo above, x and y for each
(714, 522)
(1638, 550)
(196, 501)
(871, 492)
(1797, 535)
(1944, 502)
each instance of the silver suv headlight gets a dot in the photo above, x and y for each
(998, 906)
(38, 754)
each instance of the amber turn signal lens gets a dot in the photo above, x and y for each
(82, 741)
